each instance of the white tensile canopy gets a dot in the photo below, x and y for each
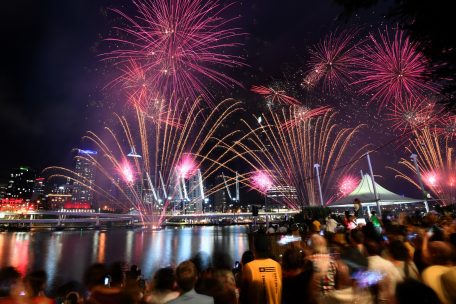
(365, 193)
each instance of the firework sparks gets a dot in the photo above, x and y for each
(302, 114)
(150, 177)
(332, 60)
(436, 163)
(186, 167)
(290, 154)
(274, 96)
(261, 181)
(391, 70)
(347, 184)
(412, 113)
(179, 43)
(447, 127)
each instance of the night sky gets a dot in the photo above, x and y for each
(52, 78)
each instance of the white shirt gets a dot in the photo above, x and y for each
(391, 276)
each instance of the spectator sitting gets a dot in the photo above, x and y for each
(36, 283)
(163, 287)
(186, 276)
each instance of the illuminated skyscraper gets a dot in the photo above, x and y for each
(85, 175)
(20, 184)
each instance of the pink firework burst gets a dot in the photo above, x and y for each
(332, 60)
(180, 43)
(391, 70)
(301, 114)
(347, 184)
(126, 172)
(274, 96)
(447, 127)
(187, 167)
(261, 181)
(412, 113)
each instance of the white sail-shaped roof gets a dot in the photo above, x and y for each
(365, 192)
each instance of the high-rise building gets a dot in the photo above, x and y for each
(3, 190)
(281, 196)
(195, 192)
(20, 184)
(220, 197)
(58, 196)
(85, 176)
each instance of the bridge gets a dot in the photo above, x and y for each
(84, 218)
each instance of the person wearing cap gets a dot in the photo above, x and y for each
(261, 278)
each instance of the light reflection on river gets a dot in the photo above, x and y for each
(65, 255)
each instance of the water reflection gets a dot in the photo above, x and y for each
(65, 255)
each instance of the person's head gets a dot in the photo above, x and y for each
(373, 247)
(247, 256)
(261, 245)
(357, 236)
(441, 253)
(164, 279)
(95, 275)
(318, 244)
(10, 278)
(292, 259)
(222, 260)
(36, 282)
(116, 271)
(398, 251)
(412, 291)
(374, 212)
(186, 276)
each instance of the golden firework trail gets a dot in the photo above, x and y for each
(143, 155)
(289, 154)
(436, 163)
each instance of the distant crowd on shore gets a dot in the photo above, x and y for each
(389, 259)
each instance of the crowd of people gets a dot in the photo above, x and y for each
(341, 259)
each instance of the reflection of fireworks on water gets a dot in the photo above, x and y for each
(289, 154)
(261, 181)
(274, 96)
(332, 60)
(436, 162)
(180, 43)
(147, 163)
(412, 113)
(347, 184)
(391, 70)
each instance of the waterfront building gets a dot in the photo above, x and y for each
(281, 196)
(3, 189)
(59, 196)
(85, 176)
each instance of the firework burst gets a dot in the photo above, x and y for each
(303, 113)
(274, 96)
(180, 44)
(411, 114)
(436, 163)
(392, 69)
(332, 60)
(261, 180)
(149, 165)
(347, 184)
(289, 155)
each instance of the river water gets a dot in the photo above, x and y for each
(66, 254)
